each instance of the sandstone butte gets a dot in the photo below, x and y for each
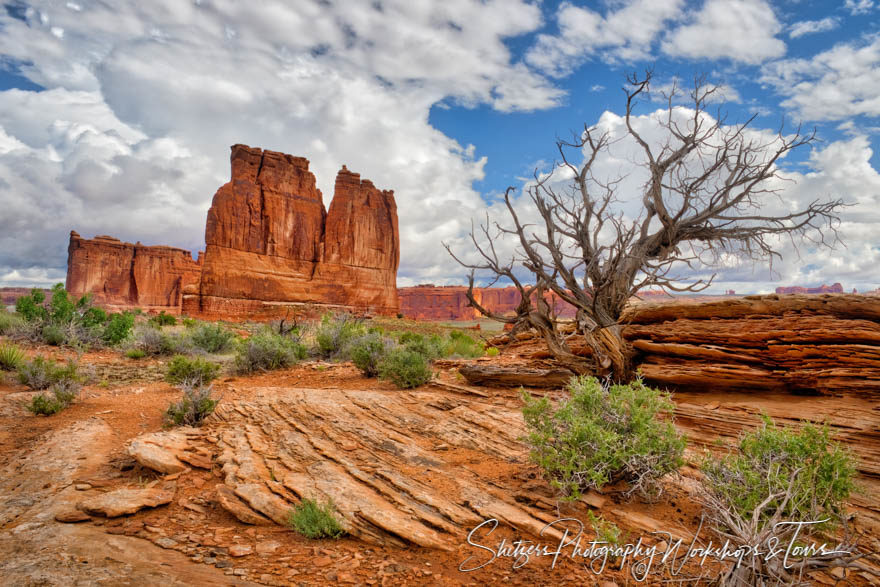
(797, 289)
(270, 245)
(123, 275)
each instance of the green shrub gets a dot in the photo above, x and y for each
(778, 478)
(162, 319)
(195, 372)
(53, 334)
(10, 357)
(153, 341)
(42, 373)
(8, 322)
(62, 395)
(335, 333)
(212, 338)
(600, 436)
(189, 322)
(606, 531)
(31, 308)
(429, 347)
(93, 317)
(118, 327)
(406, 368)
(192, 409)
(314, 520)
(135, 354)
(492, 351)
(769, 459)
(459, 344)
(266, 351)
(367, 352)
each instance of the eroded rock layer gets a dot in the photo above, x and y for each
(808, 344)
(125, 275)
(431, 302)
(270, 243)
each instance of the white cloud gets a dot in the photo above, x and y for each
(836, 84)
(144, 99)
(808, 27)
(859, 6)
(622, 35)
(739, 30)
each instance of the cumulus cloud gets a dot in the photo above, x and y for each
(143, 99)
(859, 6)
(740, 30)
(625, 34)
(808, 27)
(839, 83)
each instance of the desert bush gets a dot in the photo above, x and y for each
(429, 347)
(196, 404)
(31, 308)
(135, 354)
(162, 319)
(196, 371)
(189, 322)
(53, 334)
(335, 332)
(459, 344)
(780, 475)
(314, 520)
(607, 532)
(42, 373)
(265, 351)
(405, 367)
(211, 338)
(492, 351)
(600, 436)
(152, 341)
(61, 395)
(10, 357)
(118, 327)
(368, 351)
(8, 322)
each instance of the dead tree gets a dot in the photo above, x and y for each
(704, 198)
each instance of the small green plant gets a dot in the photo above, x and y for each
(601, 436)
(135, 354)
(53, 334)
(153, 341)
(9, 322)
(266, 351)
(314, 520)
(42, 373)
(62, 395)
(212, 338)
(606, 531)
(10, 357)
(162, 319)
(818, 473)
(196, 404)
(367, 352)
(492, 351)
(31, 308)
(196, 371)
(459, 344)
(335, 332)
(429, 347)
(777, 478)
(189, 322)
(118, 328)
(406, 368)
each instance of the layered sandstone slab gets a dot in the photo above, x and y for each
(270, 243)
(126, 275)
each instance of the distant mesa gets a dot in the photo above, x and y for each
(822, 289)
(270, 246)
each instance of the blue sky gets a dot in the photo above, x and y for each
(117, 120)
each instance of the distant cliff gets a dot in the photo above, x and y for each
(822, 289)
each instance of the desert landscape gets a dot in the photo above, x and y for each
(473, 292)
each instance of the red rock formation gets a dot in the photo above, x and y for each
(797, 289)
(125, 275)
(430, 302)
(271, 244)
(9, 295)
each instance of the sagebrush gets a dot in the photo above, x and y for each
(196, 404)
(191, 371)
(405, 368)
(603, 435)
(315, 520)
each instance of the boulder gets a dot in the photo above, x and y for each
(127, 501)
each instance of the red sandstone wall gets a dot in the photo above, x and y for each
(429, 302)
(126, 275)
(822, 289)
(271, 244)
